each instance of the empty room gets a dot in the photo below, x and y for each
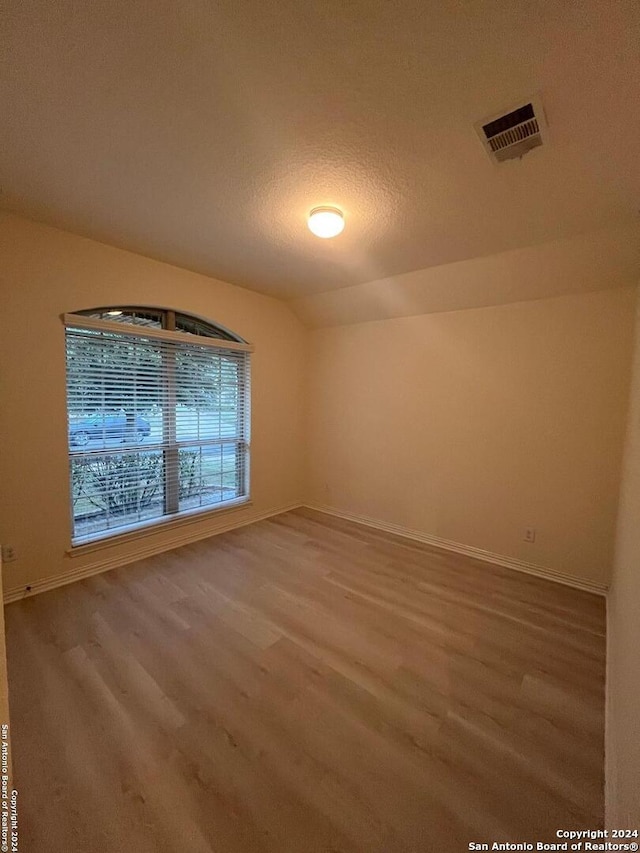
(319, 426)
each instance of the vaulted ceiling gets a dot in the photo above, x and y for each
(201, 133)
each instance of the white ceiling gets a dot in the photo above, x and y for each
(202, 132)
(599, 260)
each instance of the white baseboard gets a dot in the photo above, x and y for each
(182, 537)
(185, 537)
(468, 550)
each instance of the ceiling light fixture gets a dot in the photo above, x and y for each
(114, 313)
(326, 222)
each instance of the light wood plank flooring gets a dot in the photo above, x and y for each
(305, 684)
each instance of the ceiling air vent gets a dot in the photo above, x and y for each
(514, 133)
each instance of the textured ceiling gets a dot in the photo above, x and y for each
(202, 132)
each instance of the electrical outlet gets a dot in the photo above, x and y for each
(8, 553)
(529, 534)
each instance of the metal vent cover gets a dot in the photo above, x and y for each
(513, 133)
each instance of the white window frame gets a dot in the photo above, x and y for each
(81, 321)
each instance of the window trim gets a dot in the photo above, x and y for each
(148, 527)
(84, 322)
(145, 529)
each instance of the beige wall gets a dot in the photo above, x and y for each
(472, 425)
(623, 610)
(44, 273)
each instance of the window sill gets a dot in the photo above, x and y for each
(151, 528)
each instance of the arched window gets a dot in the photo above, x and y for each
(158, 410)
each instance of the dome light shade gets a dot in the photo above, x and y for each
(326, 221)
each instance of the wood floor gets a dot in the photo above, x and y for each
(305, 684)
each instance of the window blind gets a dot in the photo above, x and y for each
(158, 424)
